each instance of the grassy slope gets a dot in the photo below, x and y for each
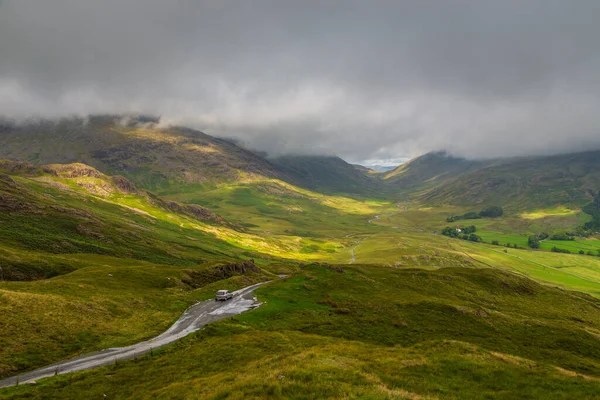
(54, 226)
(373, 332)
(329, 175)
(523, 183)
(284, 226)
(110, 303)
(59, 224)
(284, 223)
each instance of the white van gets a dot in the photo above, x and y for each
(223, 295)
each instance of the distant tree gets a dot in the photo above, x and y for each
(474, 238)
(470, 229)
(533, 242)
(465, 237)
(451, 232)
(471, 215)
(593, 209)
(495, 243)
(558, 250)
(581, 252)
(562, 236)
(492, 212)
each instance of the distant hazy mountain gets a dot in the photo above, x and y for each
(328, 174)
(382, 168)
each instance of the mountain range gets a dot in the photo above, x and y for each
(162, 159)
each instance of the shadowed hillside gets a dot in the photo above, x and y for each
(519, 183)
(427, 171)
(522, 183)
(328, 174)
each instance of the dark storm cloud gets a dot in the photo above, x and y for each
(370, 79)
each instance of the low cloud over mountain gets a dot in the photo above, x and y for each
(364, 80)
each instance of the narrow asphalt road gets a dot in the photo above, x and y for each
(193, 319)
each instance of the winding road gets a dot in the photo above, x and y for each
(193, 319)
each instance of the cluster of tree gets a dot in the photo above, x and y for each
(593, 209)
(509, 245)
(562, 236)
(467, 233)
(469, 229)
(456, 232)
(469, 215)
(514, 245)
(490, 212)
(533, 242)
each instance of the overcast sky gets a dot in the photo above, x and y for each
(375, 80)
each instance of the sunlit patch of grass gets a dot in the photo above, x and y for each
(555, 211)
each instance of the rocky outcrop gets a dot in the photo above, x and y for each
(124, 185)
(242, 267)
(19, 168)
(191, 210)
(75, 170)
(197, 279)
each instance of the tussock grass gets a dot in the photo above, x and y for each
(373, 332)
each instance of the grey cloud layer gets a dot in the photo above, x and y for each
(376, 79)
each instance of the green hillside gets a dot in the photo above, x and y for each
(373, 332)
(523, 183)
(110, 229)
(328, 174)
(427, 172)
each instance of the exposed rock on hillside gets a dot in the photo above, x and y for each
(242, 267)
(150, 156)
(124, 185)
(192, 210)
(202, 278)
(75, 170)
(100, 185)
(19, 168)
